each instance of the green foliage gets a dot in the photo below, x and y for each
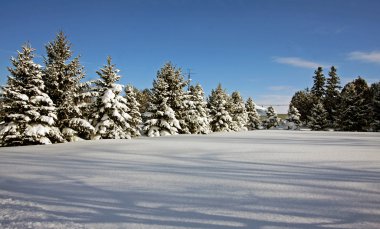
(253, 122)
(318, 118)
(221, 119)
(318, 88)
(355, 106)
(332, 98)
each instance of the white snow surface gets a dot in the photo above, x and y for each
(256, 179)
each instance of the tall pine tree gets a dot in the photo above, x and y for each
(62, 77)
(318, 118)
(134, 110)
(332, 99)
(220, 118)
(294, 116)
(375, 106)
(30, 113)
(253, 121)
(355, 107)
(166, 103)
(304, 101)
(110, 114)
(272, 120)
(196, 112)
(238, 112)
(318, 88)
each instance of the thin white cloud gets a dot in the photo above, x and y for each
(280, 88)
(297, 62)
(370, 57)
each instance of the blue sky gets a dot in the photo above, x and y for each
(264, 49)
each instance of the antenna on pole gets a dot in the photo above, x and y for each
(189, 72)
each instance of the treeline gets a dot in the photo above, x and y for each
(326, 105)
(50, 103)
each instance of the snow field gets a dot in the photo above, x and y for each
(256, 179)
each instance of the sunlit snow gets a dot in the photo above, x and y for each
(255, 179)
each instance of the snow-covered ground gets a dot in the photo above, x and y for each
(258, 179)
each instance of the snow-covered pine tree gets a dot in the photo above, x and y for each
(160, 118)
(62, 78)
(355, 109)
(220, 118)
(272, 120)
(143, 98)
(172, 86)
(294, 121)
(304, 101)
(238, 112)
(375, 104)
(318, 88)
(331, 101)
(2, 112)
(196, 112)
(134, 110)
(318, 119)
(30, 113)
(110, 112)
(253, 121)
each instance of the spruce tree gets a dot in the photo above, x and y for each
(220, 118)
(160, 119)
(30, 113)
(294, 116)
(196, 112)
(304, 101)
(272, 120)
(238, 112)
(143, 98)
(253, 121)
(110, 112)
(332, 99)
(172, 86)
(355, 107)
(318, 118)
(62, 77)
(134, 110)
(375, 106)
(318, 88)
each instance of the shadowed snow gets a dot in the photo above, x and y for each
(257, 179)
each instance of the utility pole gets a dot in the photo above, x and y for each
(189, 78)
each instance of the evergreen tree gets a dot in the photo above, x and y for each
(160, 119)
(196, 112)
(2, 112)
(318, 88)
(134, 110)
(30, 113)
(355, 106)
(272, 119)
(172, 86)
(375, 95)
(253, 121)
(318, 119)
(332, 98)
(62, 79)
(294, 121)
(303, 101)
(220, 119)
(143, 98)
(238, 112)
(110, 114)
